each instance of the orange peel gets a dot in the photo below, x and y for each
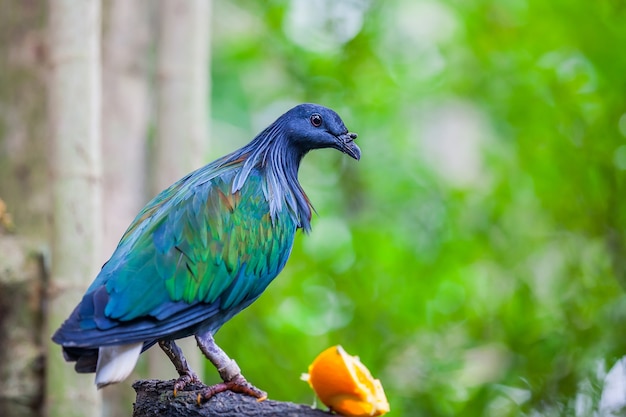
(345, 385)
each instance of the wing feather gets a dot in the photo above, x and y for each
(198, 252)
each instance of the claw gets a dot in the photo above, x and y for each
(237, 384)
(186, 379)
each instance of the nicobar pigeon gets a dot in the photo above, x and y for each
(199, 253)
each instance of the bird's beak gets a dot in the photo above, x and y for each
(347, 145)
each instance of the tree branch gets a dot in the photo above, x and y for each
(156, 397)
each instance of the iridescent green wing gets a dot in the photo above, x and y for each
(202, 244)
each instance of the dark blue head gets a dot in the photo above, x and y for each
(278, 150)
(311, 126)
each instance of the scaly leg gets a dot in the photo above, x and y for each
(187, 376)
(228, 369)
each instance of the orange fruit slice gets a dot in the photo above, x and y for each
(345, 385)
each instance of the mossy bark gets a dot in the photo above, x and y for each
(22, 283)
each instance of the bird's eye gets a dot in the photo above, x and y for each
(316, 119)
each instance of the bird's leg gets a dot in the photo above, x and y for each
(228, 369)
(187, 376)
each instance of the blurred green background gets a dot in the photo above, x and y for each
(474, 257)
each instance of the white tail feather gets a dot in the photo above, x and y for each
(115, 363)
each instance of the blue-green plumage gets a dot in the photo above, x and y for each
(206, 247)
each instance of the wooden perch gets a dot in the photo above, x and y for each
(156, 398)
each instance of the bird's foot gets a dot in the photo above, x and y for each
(188, 378)
(237, 384)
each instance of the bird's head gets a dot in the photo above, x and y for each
(278, 150)
(311, 126)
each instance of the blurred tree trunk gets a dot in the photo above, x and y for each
(182, 115)
(24, 188)
(125, 115)
(23, 142)
(125, 121)
(74, 111)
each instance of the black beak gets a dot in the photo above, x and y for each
(347, 145)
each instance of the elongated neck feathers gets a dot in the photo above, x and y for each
(272, 153)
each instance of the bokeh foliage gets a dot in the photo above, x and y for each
(474, 258)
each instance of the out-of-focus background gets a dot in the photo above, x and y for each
(474, 258)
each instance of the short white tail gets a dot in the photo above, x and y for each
(115, 363)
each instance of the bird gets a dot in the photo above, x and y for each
(199, 253)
